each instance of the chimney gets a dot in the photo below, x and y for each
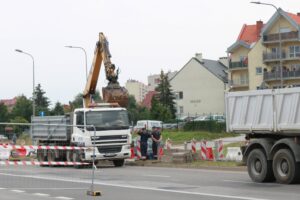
(259, 26)
(298, 14)
(224, 61)
(198, 56)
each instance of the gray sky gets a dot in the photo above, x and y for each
(145, 36)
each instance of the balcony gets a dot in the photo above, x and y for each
(238, 65)
(286, 75)
(238, 83)
(274, 57)
(270, 57)
(274, 38)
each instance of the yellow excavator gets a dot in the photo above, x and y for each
(113, 92)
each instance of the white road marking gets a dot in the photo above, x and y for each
(49, 188)
(66, 198)
(153, 175)
(136, 187)
(41, 194)
(2, 188)
(18, 191)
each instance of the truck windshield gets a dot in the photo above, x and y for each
(107, 120)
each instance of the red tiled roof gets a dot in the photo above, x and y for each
(294, 17)
(249, 34)
(9, 102)
(148, 98)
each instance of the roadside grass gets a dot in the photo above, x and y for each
(179, 137)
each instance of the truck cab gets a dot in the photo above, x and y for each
(111, 133)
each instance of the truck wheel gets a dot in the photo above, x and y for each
(259, 169)
(118, 163)
(285, 168)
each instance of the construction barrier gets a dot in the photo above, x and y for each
(203, 152)
(138, 150)
(219, 150)
(193, 142)
(30, 147)
(4, 154)
(234, 154)
(33, 163)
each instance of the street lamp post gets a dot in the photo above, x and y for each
(279, 38)
(33, 80)
(77, 47)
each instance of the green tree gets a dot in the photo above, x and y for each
(78, 100)
(165, 95)
(58, 109)
(135, 111)
(23, 108)
(159, 112)
(3, 113)
(17, 128)
(41, 101)
(4, 116)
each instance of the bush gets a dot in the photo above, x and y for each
(210, 126)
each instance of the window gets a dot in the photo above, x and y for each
(258, 70)
(180, 95)
(294, 51)
(79, 118)
(181, 109)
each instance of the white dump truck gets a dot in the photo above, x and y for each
(112, 137)
(271, 121)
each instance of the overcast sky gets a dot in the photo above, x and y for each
(145, 36)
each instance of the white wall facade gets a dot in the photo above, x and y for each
(203, 92)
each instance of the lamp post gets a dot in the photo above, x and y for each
(279, 37)
(33, 79)
(77, 47)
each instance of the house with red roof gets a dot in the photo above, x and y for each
(238, 73)
(266, 55)
(10, 103)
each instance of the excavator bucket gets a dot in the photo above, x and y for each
(115, 95)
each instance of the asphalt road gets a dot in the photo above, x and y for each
(146, 183)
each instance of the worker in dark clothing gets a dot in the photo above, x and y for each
(145, 135)
(156, 138)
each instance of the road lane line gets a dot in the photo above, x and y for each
(41, 194)
(66, 198)
(159, 176)
(2, 188)
(137, 187)
(18, 191)
(47, 188)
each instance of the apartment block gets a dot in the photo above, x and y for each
(137, 89)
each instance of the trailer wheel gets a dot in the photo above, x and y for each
(285, 168)
(259, 168)
(118, 163)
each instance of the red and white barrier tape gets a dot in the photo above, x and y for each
(37, 163)
(30, 147)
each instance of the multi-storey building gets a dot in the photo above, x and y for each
(255, 58)
(281, 52)
(137, 89)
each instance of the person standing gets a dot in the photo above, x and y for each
(156, 139)
(144, 142)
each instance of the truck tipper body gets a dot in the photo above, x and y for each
(271, 121)
(111, 135)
